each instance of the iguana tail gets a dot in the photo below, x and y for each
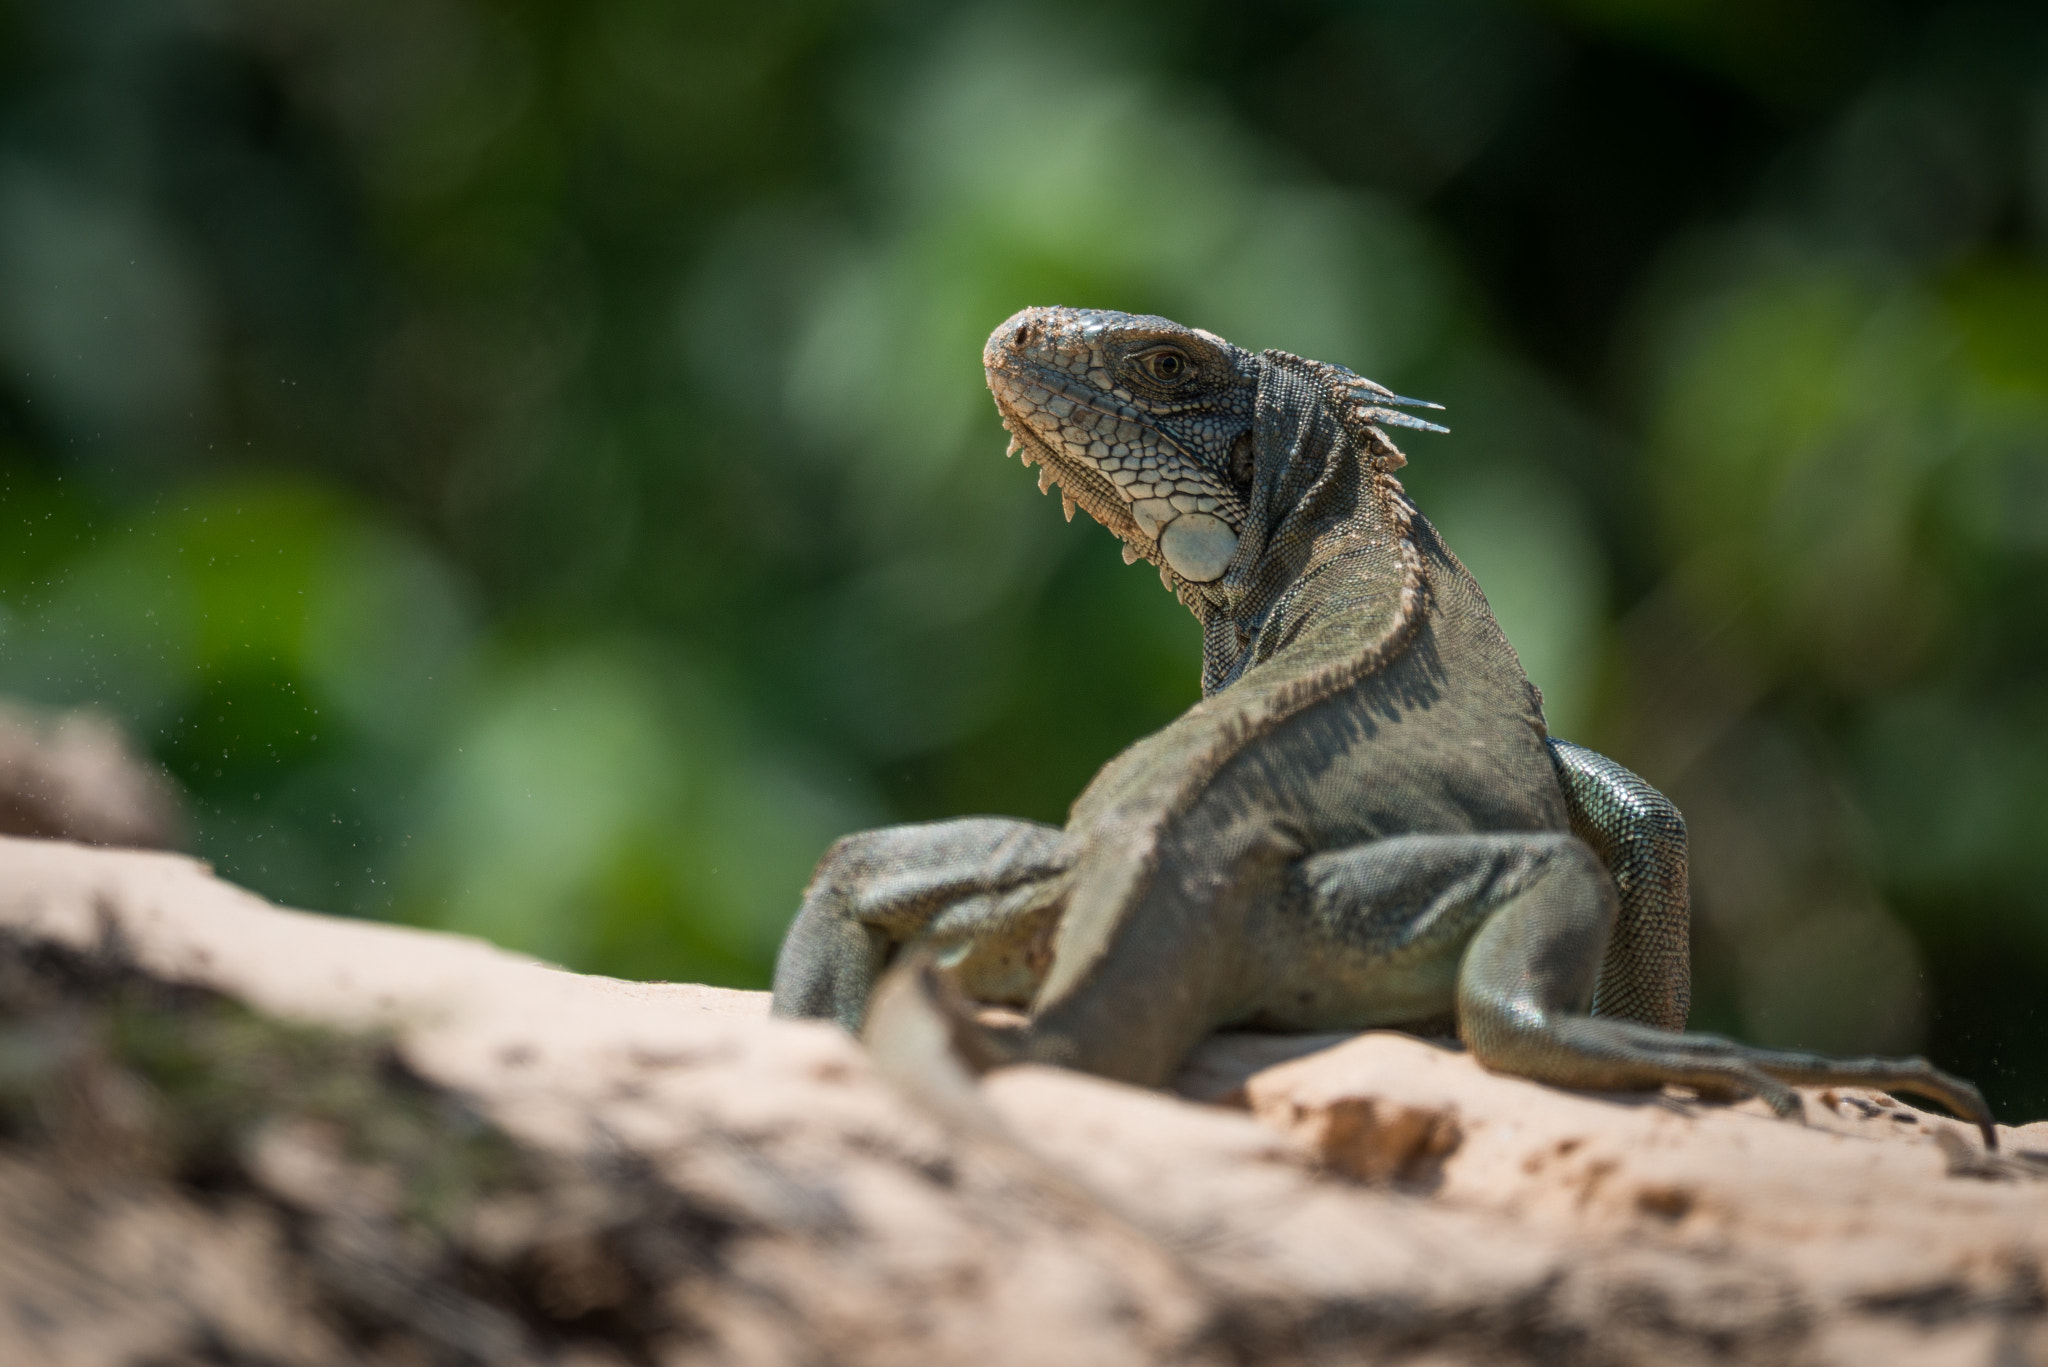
(923, 1037)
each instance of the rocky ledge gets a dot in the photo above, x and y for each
(234, 1133)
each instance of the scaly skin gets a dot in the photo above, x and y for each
(1364, 822)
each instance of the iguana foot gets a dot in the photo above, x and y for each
(978, 891)
(1718, 1068)
(1520, 991)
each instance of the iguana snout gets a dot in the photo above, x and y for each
(1144, 424)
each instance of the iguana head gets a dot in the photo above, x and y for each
(1144, 424)
(1149, 427)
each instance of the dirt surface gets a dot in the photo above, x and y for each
(74, 775)
(233, 1133)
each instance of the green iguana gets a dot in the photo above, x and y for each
(1364, 821)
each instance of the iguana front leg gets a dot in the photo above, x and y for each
(982, 892)
(1646, 974)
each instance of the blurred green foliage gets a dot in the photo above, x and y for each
(525, 468)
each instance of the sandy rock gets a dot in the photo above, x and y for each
(700, 1184)
(74, 775)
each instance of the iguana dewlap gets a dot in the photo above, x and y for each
(1364, 821)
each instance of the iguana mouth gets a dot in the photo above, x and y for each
(1109, 455)
(1080, 483)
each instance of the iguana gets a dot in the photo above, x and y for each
(1363, 823)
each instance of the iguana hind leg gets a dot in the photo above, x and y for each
(976, 887)
(1646, 973)
(1373, 934)
(1526, 981)
(1515, 929)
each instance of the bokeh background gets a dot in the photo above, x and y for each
(523, 464)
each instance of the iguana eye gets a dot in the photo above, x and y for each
(1168, 367)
